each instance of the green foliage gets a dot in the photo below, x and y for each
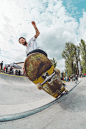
(82, 45)
(71, 54)
(53, 62)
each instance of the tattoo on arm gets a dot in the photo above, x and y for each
(37, 32)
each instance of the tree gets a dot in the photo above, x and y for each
(82, 45)
(68, 55)
(71, 54)
(53, 62)
(77, 56)
(83, 55)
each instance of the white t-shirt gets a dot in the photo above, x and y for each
(32, 44)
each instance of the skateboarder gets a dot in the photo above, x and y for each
(31, 45)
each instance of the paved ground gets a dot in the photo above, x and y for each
(18, 94)
(67, 113)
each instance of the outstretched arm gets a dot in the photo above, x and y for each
(36, 29)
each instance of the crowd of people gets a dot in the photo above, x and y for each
(74, 78)
(11, 70)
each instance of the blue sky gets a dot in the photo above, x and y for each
(75, 7)
(59, 21)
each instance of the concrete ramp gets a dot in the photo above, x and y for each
(68, 112)
(20, 98)
(19, 95)
(14, 79)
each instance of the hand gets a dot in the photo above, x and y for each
(33, 23)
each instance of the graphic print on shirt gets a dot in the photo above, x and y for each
(29, 44)
(32, 44)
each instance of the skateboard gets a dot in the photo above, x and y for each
(41, 71)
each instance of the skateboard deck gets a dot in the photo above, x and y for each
(40, 70)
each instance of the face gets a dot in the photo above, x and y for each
(22, 41)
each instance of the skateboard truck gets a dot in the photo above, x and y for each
(45, 75)
(47, 78)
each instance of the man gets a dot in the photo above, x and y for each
(1, 65)
(76, 78)
(31, 45)
(6, 69)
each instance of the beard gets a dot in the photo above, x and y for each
(25, 43)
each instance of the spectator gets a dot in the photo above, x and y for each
(76, 78)
(24, 73)
(16, 72)
(6, 69)
(1, 65)
(80, 75)
(19, 72)
(11, 70)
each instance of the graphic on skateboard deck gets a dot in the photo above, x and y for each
(40, 71)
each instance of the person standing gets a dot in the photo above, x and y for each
(76, 78)
(11, 70)
(1, 65)
(6, 69)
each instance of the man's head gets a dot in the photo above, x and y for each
(22, 41)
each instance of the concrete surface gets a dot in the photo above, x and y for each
(19, 95)
(69, 112)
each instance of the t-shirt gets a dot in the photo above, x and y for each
(32, 44)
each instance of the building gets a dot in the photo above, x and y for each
(18, 68)
(20, 64)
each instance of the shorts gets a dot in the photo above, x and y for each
(37, 50)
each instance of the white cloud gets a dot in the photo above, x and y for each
(56, 28)
(82, 27)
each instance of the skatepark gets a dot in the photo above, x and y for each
(23, 106)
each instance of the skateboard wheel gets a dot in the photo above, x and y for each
(56, 70)
(39, 86)
(63, 84)
(66, 90)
